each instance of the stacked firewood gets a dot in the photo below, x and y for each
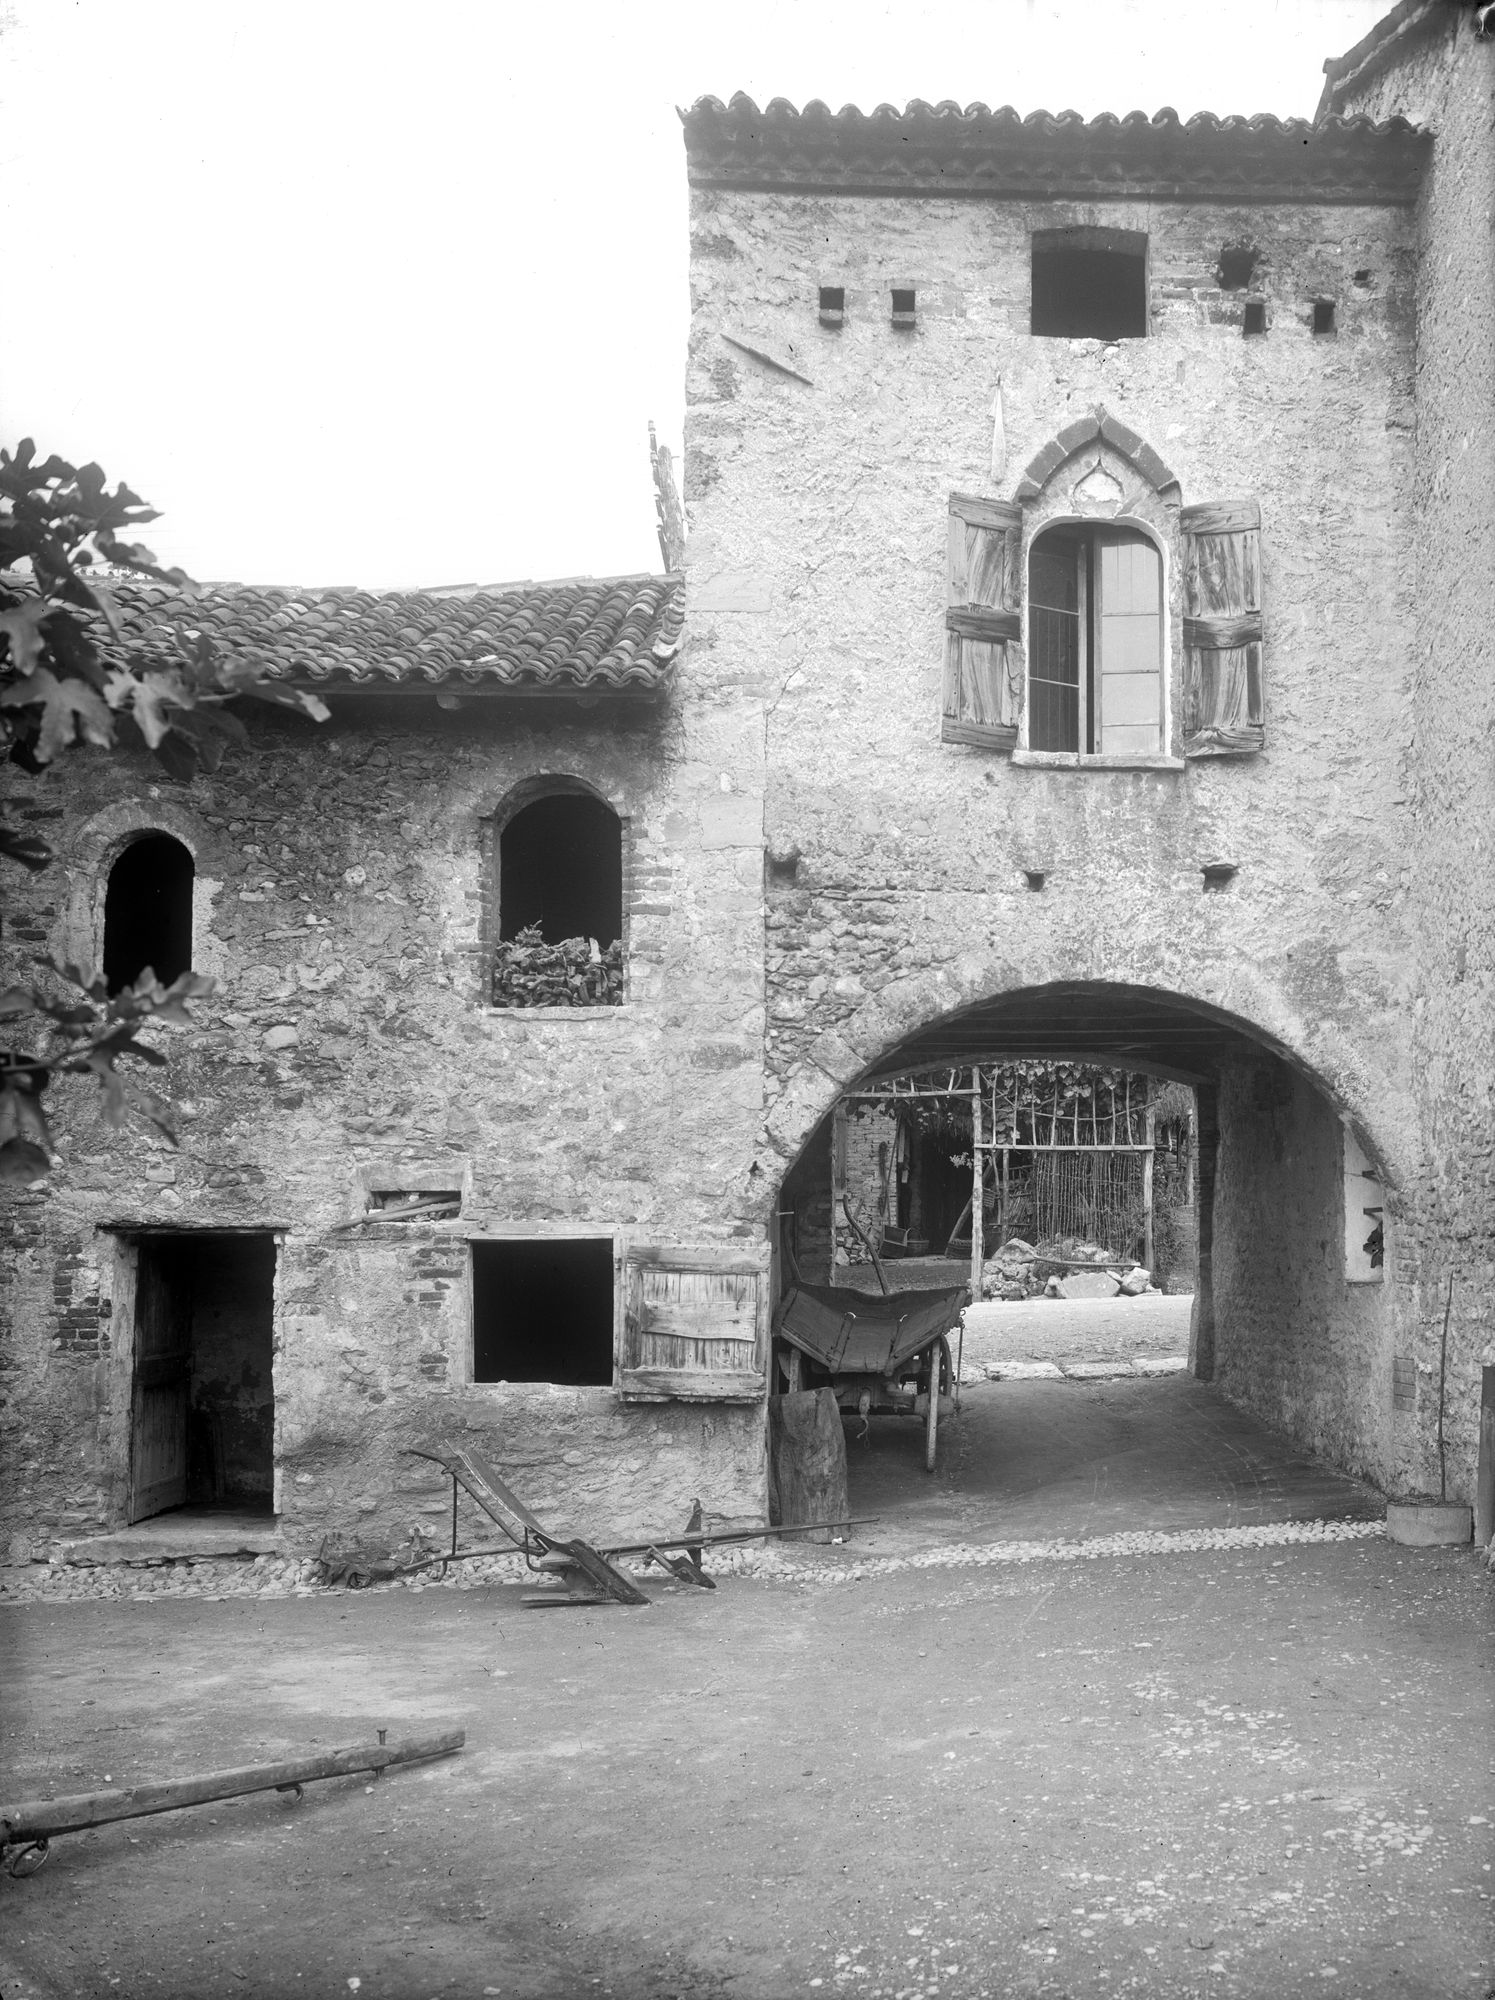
(577, 972)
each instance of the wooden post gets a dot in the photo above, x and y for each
(1202, 1322)
(978, 1178)
(1484, 1478)
(1147, 1160)
(838, 1181)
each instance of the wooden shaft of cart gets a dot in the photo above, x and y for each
(42, 1819)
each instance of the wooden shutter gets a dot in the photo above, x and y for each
(1223, 711)
(694, 1324)
(983, 625)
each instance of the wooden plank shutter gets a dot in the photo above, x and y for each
(694, 1324)
(1223, 709)
(983, 701)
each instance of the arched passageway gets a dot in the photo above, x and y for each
(1290, 1318)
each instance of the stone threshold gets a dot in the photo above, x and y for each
(179, 1537)
(1077, 1371)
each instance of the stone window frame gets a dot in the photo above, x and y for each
(525, 792)
(89, 862)
(1097, 471)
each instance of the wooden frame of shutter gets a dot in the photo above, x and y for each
(695, 1323)
(984, 673)
(1223, 706)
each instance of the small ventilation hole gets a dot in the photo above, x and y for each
(1323, 315)
(1254, 319)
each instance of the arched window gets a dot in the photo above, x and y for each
(560, 904)
(148, 912)
(1095, 642)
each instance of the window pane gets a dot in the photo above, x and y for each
(1129, 633)
(1054, 721)
(1055, 644)
(1053, 575)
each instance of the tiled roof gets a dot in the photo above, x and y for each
(615, 635)
(972, 150)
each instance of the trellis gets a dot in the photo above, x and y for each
(1038, 1108)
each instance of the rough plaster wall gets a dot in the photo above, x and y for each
(340, 891)
(1293, 1340)
(817, 575)
(1444, 78)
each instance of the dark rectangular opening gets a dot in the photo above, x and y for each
(1254, 320)
(1237, 267)
(832, 298)
(542, 1310)
(1089, 284)
(903, 308)
(1323, 315)
(203, 1399)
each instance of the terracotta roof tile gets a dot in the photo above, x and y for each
(957, 150)
(615, 635)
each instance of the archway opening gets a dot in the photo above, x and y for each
(148, 912)
(1273, 1204)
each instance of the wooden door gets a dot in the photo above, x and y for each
(163, 1381)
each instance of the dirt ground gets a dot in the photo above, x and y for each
(1229, 1771)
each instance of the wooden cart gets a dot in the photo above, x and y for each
(882, 1356)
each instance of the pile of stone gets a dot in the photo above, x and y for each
(577, 972)
(1060, 1267)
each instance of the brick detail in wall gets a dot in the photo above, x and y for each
(78, 1328)
(1403, 1382)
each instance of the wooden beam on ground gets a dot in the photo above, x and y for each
(42, 1819)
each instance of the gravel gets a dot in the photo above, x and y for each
(215, 1578)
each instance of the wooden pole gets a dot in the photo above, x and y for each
(838, 1180)
(1147, 1160)
(41, 1819)
(978, 1178)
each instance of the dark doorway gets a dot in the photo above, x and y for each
(561, 870)
(542, 1311)
(203, 1406)
(148, 912)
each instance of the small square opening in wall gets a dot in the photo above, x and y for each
(414, 1204)
(1254, 318)
(832, 305)
(1089, 284)
(1237, 267)
(542, 1310)
(903, 308)
(1323, 316)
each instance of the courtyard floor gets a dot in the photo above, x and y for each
(1027, 1735)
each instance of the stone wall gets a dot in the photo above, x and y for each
(1293, 1339)
(1439, 75)
(340, 900)
(819, 467)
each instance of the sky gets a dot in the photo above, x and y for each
(364, 293)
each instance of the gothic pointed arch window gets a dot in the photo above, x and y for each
(1093, 619)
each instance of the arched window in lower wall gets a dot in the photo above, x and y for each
(148, 912)
(560, 904)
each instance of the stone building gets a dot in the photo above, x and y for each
(1081, 651)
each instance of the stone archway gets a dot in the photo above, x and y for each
(1278, 1324)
